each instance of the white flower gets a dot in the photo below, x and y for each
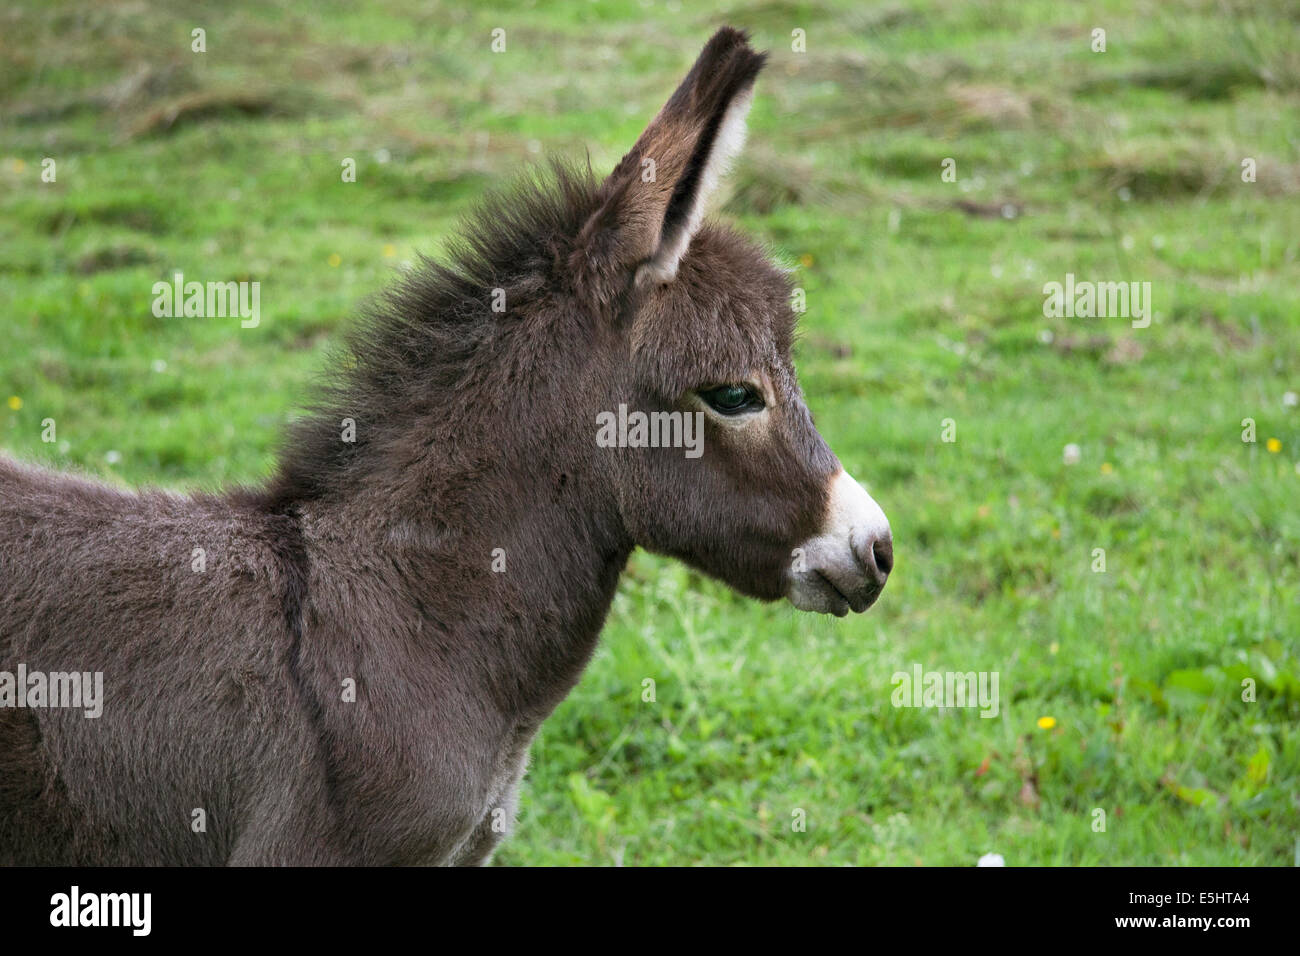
(1291, 399)
(991, 859)
(1072, 454)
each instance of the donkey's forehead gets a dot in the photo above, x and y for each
(726, 315)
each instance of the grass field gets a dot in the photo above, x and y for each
(1121, 691)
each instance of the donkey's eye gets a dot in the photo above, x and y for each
(731, 399)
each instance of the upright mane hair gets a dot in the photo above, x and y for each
(422, 344)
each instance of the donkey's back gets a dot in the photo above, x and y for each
(142, 645)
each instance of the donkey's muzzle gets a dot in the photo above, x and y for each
(844, 568)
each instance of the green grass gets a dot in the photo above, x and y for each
(1123, 165)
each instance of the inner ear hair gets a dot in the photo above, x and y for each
(698, 188)
(656, 197)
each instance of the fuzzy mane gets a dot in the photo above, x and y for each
(414, 344)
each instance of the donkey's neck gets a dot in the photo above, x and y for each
(492, 521)
(454, 464)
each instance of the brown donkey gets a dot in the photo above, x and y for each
(347, 666)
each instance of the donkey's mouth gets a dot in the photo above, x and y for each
(845, 567)
(816, 591)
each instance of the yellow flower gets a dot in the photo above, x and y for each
(390, 250)
(19, 165)
(1274, 445)
(806, 260)
(1106, 468)
(15, 402)
(335, 260)
(1047, 723)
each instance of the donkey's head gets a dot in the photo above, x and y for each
(701, 325)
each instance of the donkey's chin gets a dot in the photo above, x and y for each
(814, 591)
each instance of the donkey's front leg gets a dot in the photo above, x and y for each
(288, 824)
(497, 823)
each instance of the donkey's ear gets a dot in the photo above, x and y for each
(654, 200)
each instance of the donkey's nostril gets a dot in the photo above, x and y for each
(875, 554)
(883, 551)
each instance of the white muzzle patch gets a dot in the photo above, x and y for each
(844, 568)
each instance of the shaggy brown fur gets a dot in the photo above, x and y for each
(372, 561)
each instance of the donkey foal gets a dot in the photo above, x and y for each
(347, 665)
